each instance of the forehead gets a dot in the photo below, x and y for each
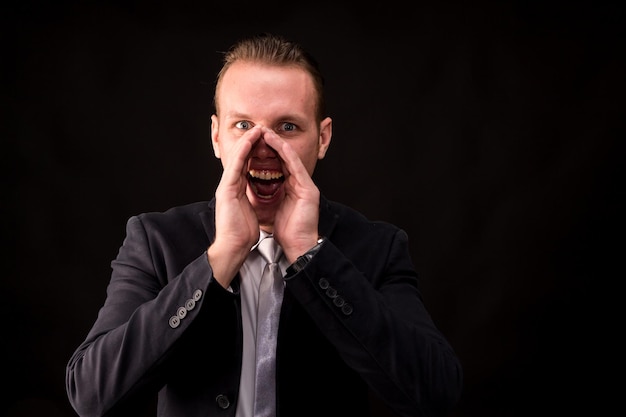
(248, 83)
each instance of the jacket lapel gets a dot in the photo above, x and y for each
(328, 218)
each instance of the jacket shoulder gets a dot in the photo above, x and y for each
(177, 213)
(191, 218)
(345, 213)
(351, 221)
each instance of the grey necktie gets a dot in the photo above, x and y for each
(268, 312)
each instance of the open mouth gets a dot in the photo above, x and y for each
(264, 182)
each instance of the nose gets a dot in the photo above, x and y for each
(263, 150)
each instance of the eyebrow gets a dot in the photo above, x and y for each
(283, 117)
(236, 115)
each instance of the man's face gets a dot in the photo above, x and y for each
(279, 98)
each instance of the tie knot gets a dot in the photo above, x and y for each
(269, 249)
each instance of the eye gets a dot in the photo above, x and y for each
(243, 124)
(288, 127)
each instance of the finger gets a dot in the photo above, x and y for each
(237, 166)
(291, 159)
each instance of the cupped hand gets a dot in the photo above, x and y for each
(297, 218)
(236, 225)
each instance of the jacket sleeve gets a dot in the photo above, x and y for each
(149, 306)
(365, 299)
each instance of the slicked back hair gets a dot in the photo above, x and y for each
(276, 50)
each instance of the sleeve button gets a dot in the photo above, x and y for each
(174, 322)
(222, 401)
(339, 301)
(346, 309)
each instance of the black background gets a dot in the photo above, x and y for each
(492, 132)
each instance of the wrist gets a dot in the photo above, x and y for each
(302, 260)
(224, 263)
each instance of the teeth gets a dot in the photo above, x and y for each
(265, 174)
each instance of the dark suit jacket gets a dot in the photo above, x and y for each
(352, 322)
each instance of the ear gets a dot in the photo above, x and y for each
(214, 135)
(326, 132)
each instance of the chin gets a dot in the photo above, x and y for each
(265, 218)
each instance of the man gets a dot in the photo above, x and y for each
(182, 304)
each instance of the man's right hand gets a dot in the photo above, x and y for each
(236, 224)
